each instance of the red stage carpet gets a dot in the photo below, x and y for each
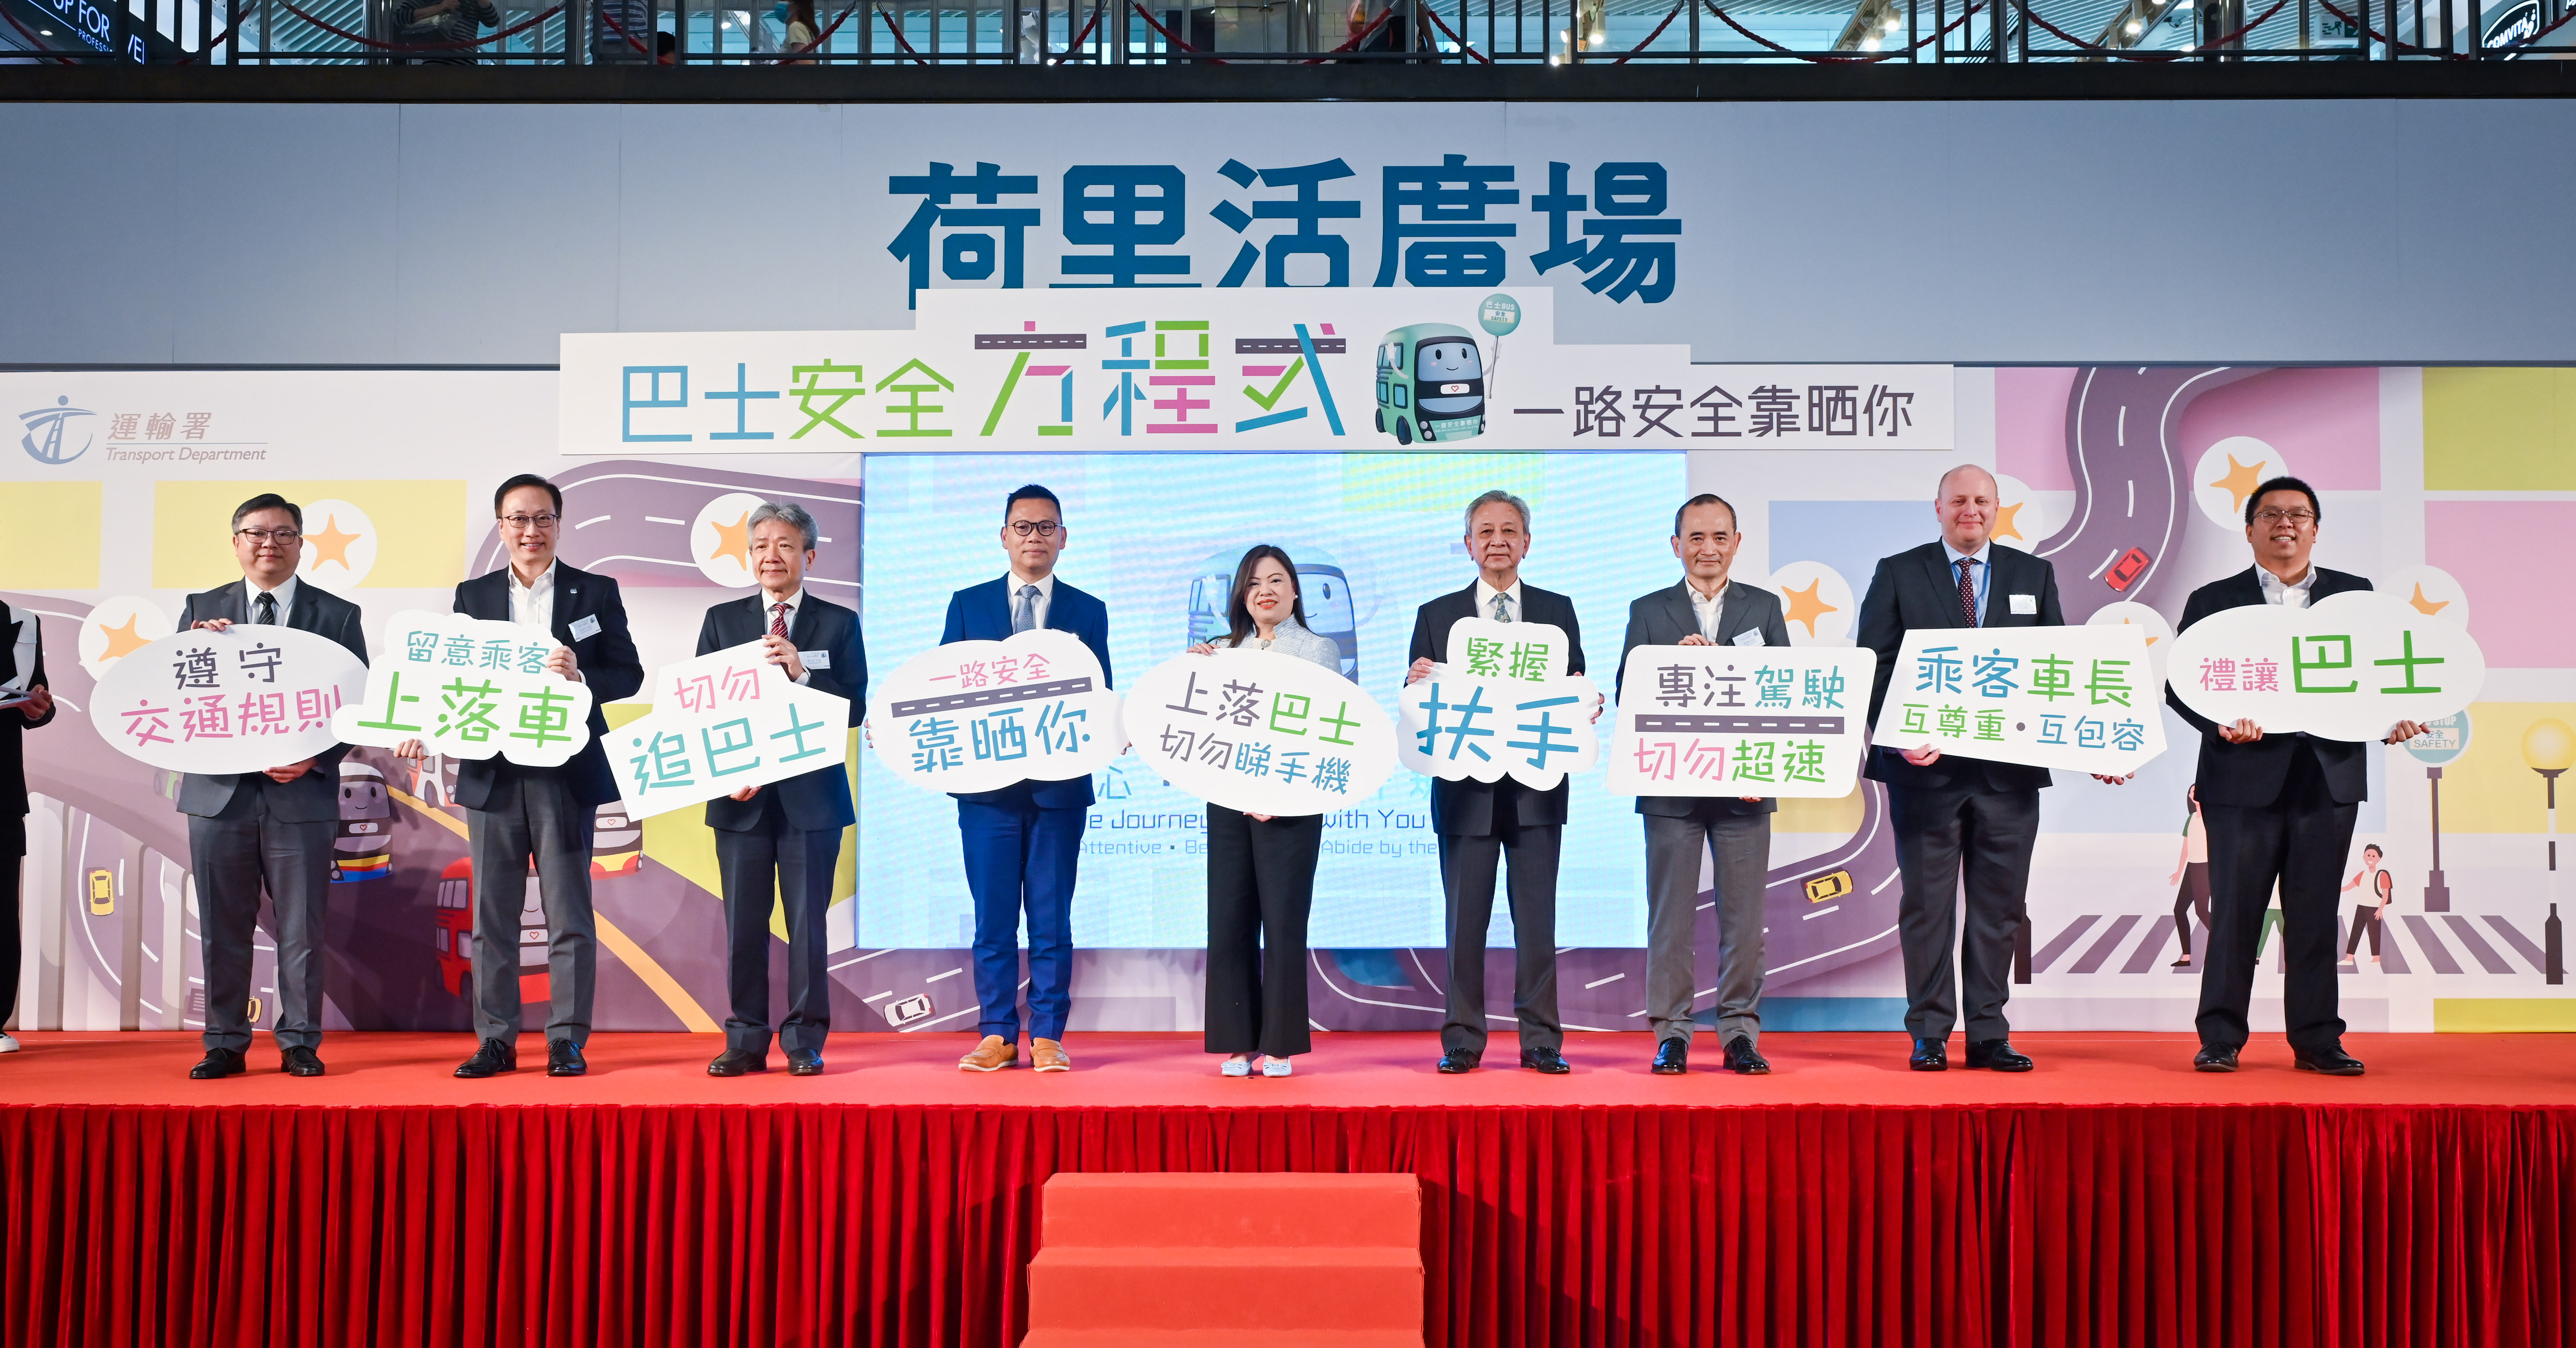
(2113, 1197)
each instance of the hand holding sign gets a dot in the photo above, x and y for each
(469, 688)
(1503, 705)
(2355, 666)
(980, 715)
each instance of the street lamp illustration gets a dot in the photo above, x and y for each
(2549, 746)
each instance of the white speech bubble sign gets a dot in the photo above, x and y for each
(976, 716)
(243, 700)
(2348, 667)
(1261, 732)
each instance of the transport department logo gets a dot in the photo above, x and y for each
(52, 435)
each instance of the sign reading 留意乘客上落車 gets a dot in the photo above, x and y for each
(469, 688)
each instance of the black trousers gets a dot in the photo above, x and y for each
(1260, 890)
(1943, 835)
(1468, 866)
(794, 866)
(2299, 842)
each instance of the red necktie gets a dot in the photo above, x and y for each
(778, 620)
(1967, 591)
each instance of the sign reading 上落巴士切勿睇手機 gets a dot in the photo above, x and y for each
(469, 688)
(1741, 721)
(1501, 706)
(1260, 732)
(981, 715)
(2080, 698)
(720, 722)
(2349, 667)
(243, 700)
(1212, 370)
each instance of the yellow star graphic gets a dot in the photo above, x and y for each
(733, 540)
(124, 640)
(2004, 526)
(1807, 605)
(2241, 480)
(2427, 607)
(331, 545)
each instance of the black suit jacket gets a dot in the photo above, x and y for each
(1663, 618)
(314, 796)
(606, 659)
(2253, 774)
(1918, 588)
(13, 722)
(1473, 809)
(821, 798)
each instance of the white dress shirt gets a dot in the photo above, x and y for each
(533, 605)
(769, 614)
(2286, 593)
(1011, 587)
(1707, 607)
(285, 593)
(1485, 600)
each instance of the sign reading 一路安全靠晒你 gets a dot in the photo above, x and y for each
(981, 715)
(243, 700)
(1259, 732)
(469, 688)
(2348, 668)
(1285, 370)
(720, 722)
(2080, 698)
(1502, 705)
(1741, 721)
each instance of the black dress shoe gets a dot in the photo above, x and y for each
(2212, 1058)
(300, 1062)
(492, 1059)
(1998, 1055)
(733, 1062)
(1458, 1060)
(804, 1062)
(2333, 1061)
(1546, 1060)
(1930, 1055)
(563, 1059)
(1745, 1060)
(1672, 1057)
(218, 1062)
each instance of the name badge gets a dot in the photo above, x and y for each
(584, 629)
(815, 659)
(2024, 605)
(1751, 636)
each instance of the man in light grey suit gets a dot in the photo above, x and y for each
(1705, 609)
(269, 829)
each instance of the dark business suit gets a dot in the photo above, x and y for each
(15, 624)
(786, 840)
(1735, 833)
(1959, 811)
(1024, 841)
(514, 812)
(246, 831)
(1477, 823)
(2280, 809)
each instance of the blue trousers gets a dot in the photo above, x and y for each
(1019, 856)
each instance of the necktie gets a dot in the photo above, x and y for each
(1502, 608)
(267, 610)
(778, 620)
(1026, 615)
(1967, 591)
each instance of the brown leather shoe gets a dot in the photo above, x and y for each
(1046, 1055)
(992, 1055)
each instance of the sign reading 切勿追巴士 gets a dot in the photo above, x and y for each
(1260, 732)
(720, 722)
(1741, 721)
(2080, 698)
(469, 688)
(975, 716)
(1200, 370)
(243, 700)
(2348, 668)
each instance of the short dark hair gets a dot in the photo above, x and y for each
(269, 500)
(2272, 485)
(1706, 498)
(1033, 492)
(502, 492)
(2373, 847)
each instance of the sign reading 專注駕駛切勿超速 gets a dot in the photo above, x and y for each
(2349, 667)
(469, 688)
(981, 715)
(1502, 705)
(723, 721)
(2080, 698)
(1259, 732)
(1741, 721)
(243, 700)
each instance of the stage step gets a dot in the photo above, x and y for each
(1185, 1260)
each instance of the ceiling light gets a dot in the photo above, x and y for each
(1869, 44)
(1893, 23)
(2133, 28)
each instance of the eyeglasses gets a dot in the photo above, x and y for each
(523, 523)
(284, 538)
(1042, 528)
(2293, 517)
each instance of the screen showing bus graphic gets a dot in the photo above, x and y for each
(1430, 384)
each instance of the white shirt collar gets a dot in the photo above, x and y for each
(2277, 590)
(545, 579)
(1704, 599)
(794, 601)
(1012, 585)
(1979, 556)
(1485, 599)
(285, 593)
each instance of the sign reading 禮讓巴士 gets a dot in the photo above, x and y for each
(723, 721)
(246, 699)
(2348, 668)
(469, 688)
(2080, 698)
(1259, 732)
(1502, 706)
(981, 715)
(1741, 721)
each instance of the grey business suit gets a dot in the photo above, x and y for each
(1735, 833)
(247, 832)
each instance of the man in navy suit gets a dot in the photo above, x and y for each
(514, 812)
(783, 839)
(1023, 842)
(272, 829)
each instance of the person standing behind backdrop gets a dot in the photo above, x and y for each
(1261, 868)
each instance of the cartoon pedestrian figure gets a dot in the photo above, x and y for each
(2377, 890)
(2191, 871)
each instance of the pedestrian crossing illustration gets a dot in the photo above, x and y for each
(2410, 943)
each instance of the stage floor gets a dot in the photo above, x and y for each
(1346, 1070)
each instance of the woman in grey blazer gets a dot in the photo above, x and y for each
(1261, 868)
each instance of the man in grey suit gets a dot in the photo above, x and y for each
(268, 829)
(1705, 609)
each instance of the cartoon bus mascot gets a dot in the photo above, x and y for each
(1430, 384)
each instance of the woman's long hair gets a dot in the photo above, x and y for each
(1238, 610)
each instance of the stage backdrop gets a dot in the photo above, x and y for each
(2449, 487)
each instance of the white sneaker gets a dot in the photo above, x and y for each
(7, 1044)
